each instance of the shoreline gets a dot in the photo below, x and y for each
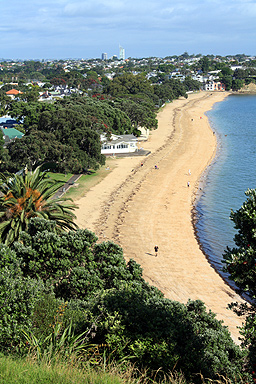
(138, 207)
(198, 194)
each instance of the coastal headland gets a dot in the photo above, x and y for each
(138, 207)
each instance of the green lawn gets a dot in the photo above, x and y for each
(85, 182)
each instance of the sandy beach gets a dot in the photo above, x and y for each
(139, 207)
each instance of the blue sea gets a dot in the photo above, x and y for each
(232, 172)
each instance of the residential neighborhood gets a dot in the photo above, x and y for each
(195, 67)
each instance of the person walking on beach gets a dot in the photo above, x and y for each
(156, 250)
(188, 184)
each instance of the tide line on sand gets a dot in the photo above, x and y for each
(140, 207)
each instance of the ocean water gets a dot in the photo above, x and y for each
(232, 172)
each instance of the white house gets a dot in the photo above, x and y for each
(118, 144)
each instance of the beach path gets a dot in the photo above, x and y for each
(139, 207)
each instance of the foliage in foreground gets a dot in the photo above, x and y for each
(157, 332)
(240, 262)
(30, 194)
(71, 279)
(20, 371)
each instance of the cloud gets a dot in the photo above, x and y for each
(87, 25)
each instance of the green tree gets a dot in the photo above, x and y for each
(39, 147)
(240, 263)
(157, 332)
(237, 84)
(30, 194)
(72, 262)
(129, 84)
(141, 113)
(28, 113)
(30, 95)
(18, 296)
(4, 102)
(204, 63)
(1, 144)
(226, 77)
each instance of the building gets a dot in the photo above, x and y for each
(13, 93)
(7, 126)
(10, 134)
(121, 53)
(118, 144)
(211, 85)
(104, 56)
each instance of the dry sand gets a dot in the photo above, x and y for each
(139, 207)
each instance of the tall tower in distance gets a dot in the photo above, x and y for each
(121, 53)
(104, 56)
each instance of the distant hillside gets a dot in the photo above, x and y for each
(250, 88)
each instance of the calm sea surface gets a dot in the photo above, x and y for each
(230, 175)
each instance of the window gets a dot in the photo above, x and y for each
(120, 146)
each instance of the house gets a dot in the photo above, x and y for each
(118, 144)
(7, 126)
(211, 85)
(10, 134)
(45, 96)
(13, 93)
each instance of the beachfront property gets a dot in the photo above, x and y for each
(212, 85)
(118, 144)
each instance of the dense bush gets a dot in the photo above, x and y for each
(51, 280)
(153, 332)
(18, 296)
(240, 263)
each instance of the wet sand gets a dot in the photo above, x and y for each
(139, 207)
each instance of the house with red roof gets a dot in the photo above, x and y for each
(13, 92)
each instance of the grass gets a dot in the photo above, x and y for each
(60, 176)
(85, 182)
(28, 371)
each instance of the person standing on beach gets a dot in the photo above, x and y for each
(188, 184)
(156, 250)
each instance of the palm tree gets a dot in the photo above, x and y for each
(27, 195)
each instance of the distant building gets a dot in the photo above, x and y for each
(214, 86)
(7, 126)
(10, 134)
(12, 93)
(104, 56)
(121, 53)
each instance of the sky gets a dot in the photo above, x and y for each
(61, 29)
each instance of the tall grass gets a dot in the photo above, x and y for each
(30, 371)
(27, 371)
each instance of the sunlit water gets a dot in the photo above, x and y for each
(229, 176)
